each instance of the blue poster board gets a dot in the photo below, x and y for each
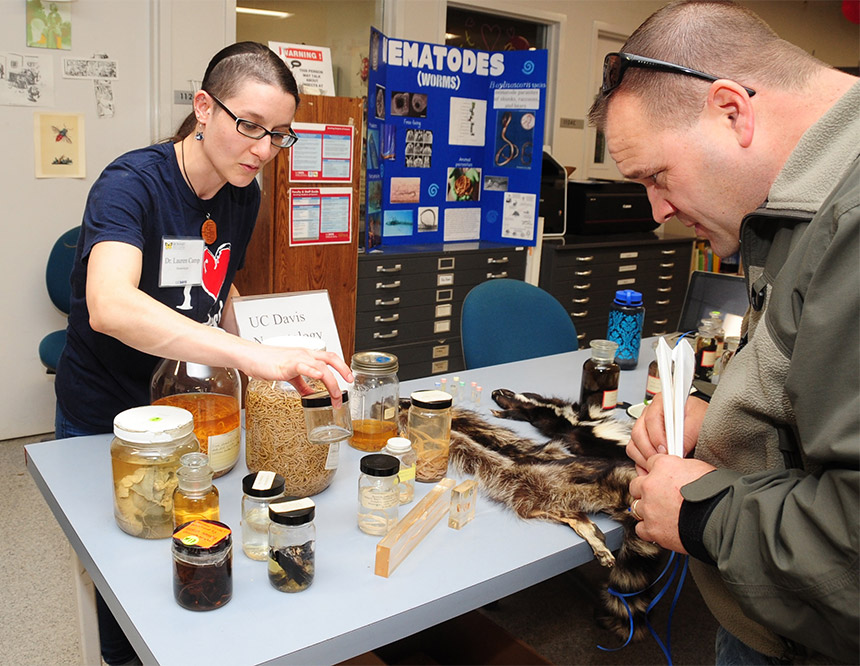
(454, 143)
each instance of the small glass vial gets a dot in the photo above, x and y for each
(732, 343)
(706, 351)
(202, 565)
(326, 425)
(292, 544)
(652, 384)
(378, 496)
(600, 375)
(401, 448)
(195, 497)
(716, 324)
(147, 445)
(429, 430)
(259, 490)
(375, 400)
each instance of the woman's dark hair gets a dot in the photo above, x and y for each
(232, 66)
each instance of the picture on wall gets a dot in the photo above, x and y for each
(59, 145)
(49, 25)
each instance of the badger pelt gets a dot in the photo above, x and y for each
(581, 469)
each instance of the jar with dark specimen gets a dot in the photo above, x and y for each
(147, 445)
(292, 544)
(707, 351)
(374, 400)
(202, 565)
(600, 375)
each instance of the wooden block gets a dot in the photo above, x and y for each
(463, 504)
(412, 528)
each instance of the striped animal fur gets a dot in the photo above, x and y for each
(581, 469)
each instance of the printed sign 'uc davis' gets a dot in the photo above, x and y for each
(454, 143)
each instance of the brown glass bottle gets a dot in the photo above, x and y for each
(600, 375)
(707, 346)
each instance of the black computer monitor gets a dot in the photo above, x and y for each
(707, 292)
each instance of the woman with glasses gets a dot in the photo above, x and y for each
(164, 231)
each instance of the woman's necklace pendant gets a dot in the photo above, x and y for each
(209, 230)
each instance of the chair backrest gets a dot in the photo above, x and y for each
(59, 269)
(510, 320)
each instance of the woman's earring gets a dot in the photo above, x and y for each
(199, 135)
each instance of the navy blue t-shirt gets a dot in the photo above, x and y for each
(140, 198)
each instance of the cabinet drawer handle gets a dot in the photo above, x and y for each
(654, 334)
(584, 259)
(390, 285)
(668, 253)
(664, 302)
(581, 336)
(499, 260)
(664, 290)
(493, 276)
(580, 301)
(394, 269)
(579, 315)
(661, 322)
(582, 287)
(582, 273)
(379, 319)
(393, 301)
(384, 336)
(664, 277)
(671, 264)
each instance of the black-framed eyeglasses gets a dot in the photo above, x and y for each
(256, 131)
(615, 64)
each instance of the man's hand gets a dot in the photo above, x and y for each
(649, 432)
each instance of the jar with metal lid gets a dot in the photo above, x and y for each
(429, 430)
(202, 565)
(275, 434)
(147, 445)
(378, 495)
(292, 544)
(212, 395)
(259, 490)
(374, 401)
(401, 448)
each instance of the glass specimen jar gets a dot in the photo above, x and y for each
(429, 430)
(195, 497)
(292, 544)
(378, 495)
(375, 400)
(325, 424)
(600, 375)
(212, 395)
(147, 445)
(259, 490)
(401, 448)
(202, 565)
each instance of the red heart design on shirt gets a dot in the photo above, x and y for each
(215, 269)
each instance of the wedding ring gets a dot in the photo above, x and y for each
(633, 509)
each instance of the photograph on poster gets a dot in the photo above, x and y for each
(374, 196)
(464, 184)
(514, 138)
(467, 121)
(496, 183)
(428, 219)
(389, 142)
(411, 104)
(373, 230)
(405, 190)
(517, 216)
(419, 148)
(373, 153)
(59, 143)
(380, 102)
(398, 222)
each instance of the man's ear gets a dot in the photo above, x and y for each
(730, 105)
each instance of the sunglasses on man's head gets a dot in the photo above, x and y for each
(615, 64)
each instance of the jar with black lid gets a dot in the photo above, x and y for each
(259, 490)
(378, 494)
(202, 565)
(292, 544)
(429, 430)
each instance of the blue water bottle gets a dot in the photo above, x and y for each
(626, 317)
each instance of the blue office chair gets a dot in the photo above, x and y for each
(57, 275)
(510, 320)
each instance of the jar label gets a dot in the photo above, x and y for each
(202, 534)
(406, 473)
(653, 385)
(388, 414)
(708, 359)
(263, 480)
(331, 459)
(610, 399)
(375, 498)
(224, 449)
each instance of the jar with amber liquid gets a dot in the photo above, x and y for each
(600, 375)
(195, 498)
(212, 395)
(374, 400)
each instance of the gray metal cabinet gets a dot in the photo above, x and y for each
(409, 299)
(584, 272)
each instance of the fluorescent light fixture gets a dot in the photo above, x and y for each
(262, 12)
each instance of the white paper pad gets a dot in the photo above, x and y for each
(676, 368)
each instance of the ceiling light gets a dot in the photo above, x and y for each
(262, 12)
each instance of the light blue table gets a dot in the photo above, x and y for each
(348, 610)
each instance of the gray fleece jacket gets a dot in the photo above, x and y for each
(775, 528)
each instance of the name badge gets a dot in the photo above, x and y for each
(181, 262)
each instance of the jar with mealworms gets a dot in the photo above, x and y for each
(429, 430)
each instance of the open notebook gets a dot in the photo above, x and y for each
(708, 292)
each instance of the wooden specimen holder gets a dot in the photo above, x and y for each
(412, 528)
